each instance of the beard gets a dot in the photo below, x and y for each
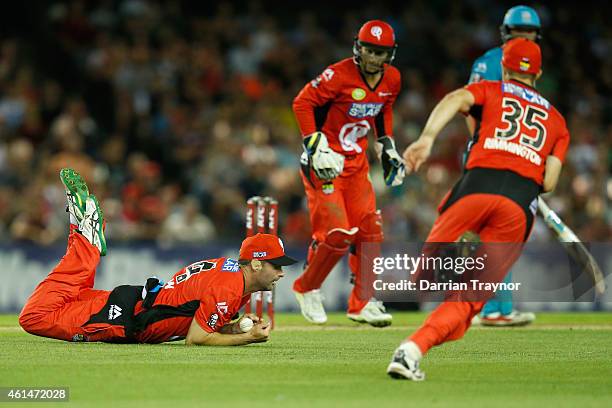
(372, 69)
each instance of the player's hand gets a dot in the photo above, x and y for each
(252, 316)
(393, 165)
(260, 332)
(326, 163)
(417, 153)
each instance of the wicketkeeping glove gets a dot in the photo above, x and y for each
(392, 163)
(326, 163)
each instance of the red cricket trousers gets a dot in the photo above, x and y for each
(345, 205)
(351, 199)
(497, 219)
(63, 303)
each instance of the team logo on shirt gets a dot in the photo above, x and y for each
(349, 134)
(222, 307)
(358, 94)
(364, 110)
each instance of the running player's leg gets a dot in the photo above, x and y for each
(332, 238)
(327, 213)
(497, 220)
(449, 319)
(360, 202)
(499, 311)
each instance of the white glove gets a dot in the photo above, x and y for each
(394, 168)
(326, 163)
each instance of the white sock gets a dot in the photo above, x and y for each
(412, 350)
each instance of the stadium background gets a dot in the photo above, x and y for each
(176, 112)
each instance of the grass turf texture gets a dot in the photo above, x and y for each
(563, 360)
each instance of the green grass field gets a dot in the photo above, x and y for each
(564, 360)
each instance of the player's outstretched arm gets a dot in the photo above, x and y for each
(196, 336)
(551, 173)
(460, 100)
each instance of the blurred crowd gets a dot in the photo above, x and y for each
(176, 112)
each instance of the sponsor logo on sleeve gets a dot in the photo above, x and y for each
(230, 265)
(327, 75)
(212, 320)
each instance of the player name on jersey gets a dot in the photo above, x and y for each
(514, 148)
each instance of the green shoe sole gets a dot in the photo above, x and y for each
(76, 192)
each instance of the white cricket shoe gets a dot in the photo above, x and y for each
(373, 313)
(311, 304)
(92, 224)
(405, 363)
(515, 318)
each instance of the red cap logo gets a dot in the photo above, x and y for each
(265, 247)
(377, 33)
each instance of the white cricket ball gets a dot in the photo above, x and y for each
(246, 324)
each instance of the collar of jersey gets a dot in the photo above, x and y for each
(517, 82)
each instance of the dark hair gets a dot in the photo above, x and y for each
(244, 262)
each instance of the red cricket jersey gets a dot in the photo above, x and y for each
(210, 291)
(340, 103)
(517, 129)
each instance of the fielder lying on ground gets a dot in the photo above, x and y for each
(196, 304)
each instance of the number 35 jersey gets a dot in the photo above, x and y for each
(340, 104)
(516, 129)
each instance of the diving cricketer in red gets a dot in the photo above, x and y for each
(518, 150)
(196, 304)
(335, 113)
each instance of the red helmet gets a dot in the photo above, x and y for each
(375, 34)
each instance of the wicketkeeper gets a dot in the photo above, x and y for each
(335, 112)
